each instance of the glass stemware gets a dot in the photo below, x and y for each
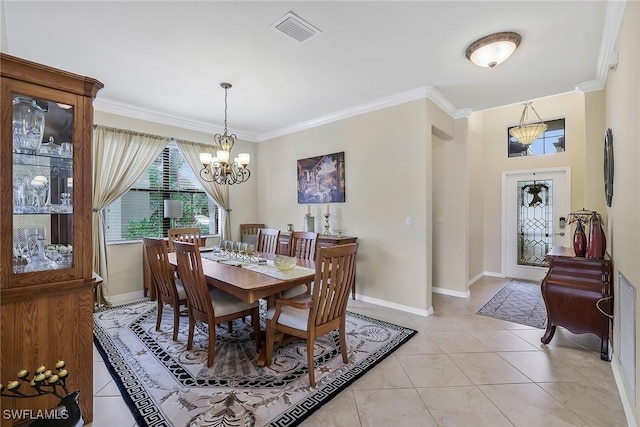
(19, 193)
(65, 199)
(39, 186)
(40, 262)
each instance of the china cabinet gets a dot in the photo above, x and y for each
(46, 279)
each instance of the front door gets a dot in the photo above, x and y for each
(533, 205)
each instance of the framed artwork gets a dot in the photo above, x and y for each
(321, 179)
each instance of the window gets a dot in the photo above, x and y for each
(551, 141)
(140, 211)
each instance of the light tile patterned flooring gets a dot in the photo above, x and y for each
(461, 369)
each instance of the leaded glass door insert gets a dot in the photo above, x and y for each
(534, 221)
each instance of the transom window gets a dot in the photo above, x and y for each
(140, 211)
(551, 141)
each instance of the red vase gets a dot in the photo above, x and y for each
(579, 240)
(597, 240)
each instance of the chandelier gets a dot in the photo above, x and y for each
(526, 133)
(220, 168)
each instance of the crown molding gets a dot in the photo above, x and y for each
(463, 113)
(590, 86)
(428, 92)
(108, 106)
(379, 104)
(437, 98)
(612, 21)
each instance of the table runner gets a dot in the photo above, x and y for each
(269, 269)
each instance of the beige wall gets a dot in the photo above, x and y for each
(450, 212)
(476, 196)
(388, 178)
(594, 153)
(491, 128)
(623, 117)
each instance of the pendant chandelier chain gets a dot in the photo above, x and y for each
(222, 168)
(225, 109)
(525, 113)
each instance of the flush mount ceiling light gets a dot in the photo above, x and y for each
(493, 49)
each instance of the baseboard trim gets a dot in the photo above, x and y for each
(125, 298)
(493, 274)
(395, 306)
(445, 291)
(475, 278)
(627, 404)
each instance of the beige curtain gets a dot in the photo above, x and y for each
(119, 158)
(219, 193)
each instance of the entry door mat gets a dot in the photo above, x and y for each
(518, 301)
(166, 385)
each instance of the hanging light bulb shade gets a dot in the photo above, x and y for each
(223, 168)
(525, 132)
(493, 49)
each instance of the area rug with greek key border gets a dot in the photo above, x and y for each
(518, 301)
(166, 385)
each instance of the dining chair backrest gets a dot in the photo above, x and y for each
(303, 244)
(160, 269)
(248, 232)
(163, 279)
(326, 311)
(192, 276)
(268, 240)
(335, 274)
(189, 235)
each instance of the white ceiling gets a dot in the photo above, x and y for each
(163, 61)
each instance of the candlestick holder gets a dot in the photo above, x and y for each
(326, 225)
(309, 222)
(45, 381)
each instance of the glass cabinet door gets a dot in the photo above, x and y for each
(42, 184)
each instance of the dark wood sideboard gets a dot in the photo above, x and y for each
(323, 241)
(578, 294)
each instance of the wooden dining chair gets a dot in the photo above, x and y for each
(189, 235)
(302, 244)
(324, 312)
(209, 306)
(169, 290)
(268, 240)
(248, 232)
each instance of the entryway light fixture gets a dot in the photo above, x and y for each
(525, 132)
(493, 49)
(220, 168)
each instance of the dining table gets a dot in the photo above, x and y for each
(250, 281)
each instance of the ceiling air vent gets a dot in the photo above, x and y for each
(295, 27)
